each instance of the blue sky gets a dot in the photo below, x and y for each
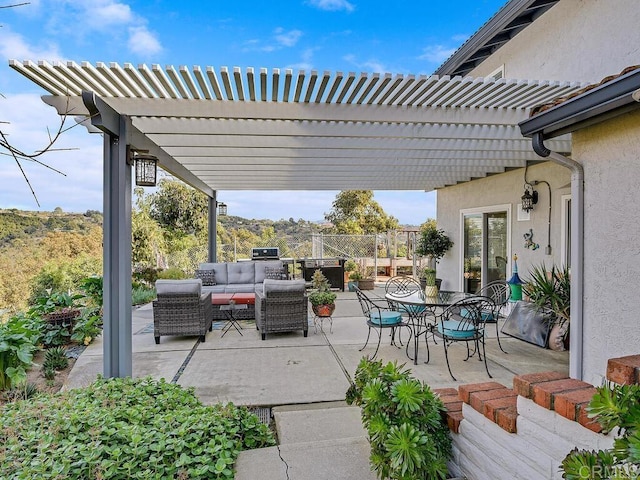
(408, 37)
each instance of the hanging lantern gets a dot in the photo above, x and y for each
(146, 170)
(530, 198)
(222, 209)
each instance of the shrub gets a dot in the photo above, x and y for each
(403, 417)
(125, 428)
(18, 338)
(142, 295)
(173, 273)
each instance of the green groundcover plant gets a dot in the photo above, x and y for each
(403, 417)
(122, 429)
(617, 409)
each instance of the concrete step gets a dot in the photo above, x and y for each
(320, 422)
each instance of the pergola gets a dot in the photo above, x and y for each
(242, 130)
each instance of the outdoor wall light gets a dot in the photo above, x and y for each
(530, 197)
(222, 208)
(146, 170)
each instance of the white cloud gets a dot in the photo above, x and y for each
(287, 39)
(371, 65)
(332, 5)
(143, 42)
(436, 53)
(14, 46)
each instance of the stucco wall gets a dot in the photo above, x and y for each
(505, 189)
(610, 153)
(577, 40)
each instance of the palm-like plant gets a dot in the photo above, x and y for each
(550, 290)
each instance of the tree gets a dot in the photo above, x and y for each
(355, 212)
(180, 208)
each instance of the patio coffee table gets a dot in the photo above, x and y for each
(231, 304)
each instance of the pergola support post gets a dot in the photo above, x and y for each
(213, 227)
(117, 349)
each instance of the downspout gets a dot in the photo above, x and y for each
(576, 341)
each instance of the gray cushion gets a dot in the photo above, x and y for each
(219, 270)
(208, 277)
(241, 272)
(261, 265)
(283, 286)
(192, 285)
(239, 288)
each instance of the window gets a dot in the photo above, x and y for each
(498, 73)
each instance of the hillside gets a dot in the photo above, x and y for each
(27, 225)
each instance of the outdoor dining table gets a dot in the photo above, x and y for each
(419, 308)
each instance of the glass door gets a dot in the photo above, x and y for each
(486, 246)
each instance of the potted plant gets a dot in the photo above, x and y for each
(433, 244)
(322, 298)
(430, 288)
(350, 266)
(367, 280)
(354, 280)
(551, 291)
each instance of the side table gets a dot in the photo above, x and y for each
(229, 311)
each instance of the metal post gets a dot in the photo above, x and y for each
(117, 256)
(213, 228)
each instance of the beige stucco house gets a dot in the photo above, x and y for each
(574, 40)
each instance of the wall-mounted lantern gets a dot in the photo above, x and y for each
(530, 197)
(146, 170)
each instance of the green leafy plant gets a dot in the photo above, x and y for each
(433, 242)
(321, 294)
(141, 295)
(355, 276)
(550, 290)
(93, 290)
(173, 273)
(350, 266)
(56, 358)
(22, 392)
(87, 327)
(18, 338)
(429, 274)
(614, 407)
(403, 417)
(154, 430)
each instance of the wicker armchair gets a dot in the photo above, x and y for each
(282, 307)
(181, 309)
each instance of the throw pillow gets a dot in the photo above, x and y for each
(274, 273)
(208, 277)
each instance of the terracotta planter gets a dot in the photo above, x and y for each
(323, 310)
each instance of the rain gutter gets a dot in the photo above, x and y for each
(610, 99)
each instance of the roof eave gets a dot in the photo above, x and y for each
(494, 26)
(602, 103)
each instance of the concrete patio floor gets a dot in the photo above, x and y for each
(304, 381)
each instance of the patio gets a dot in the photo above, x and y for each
(289, 369)
(304, 382)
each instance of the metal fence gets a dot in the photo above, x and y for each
(369, 251)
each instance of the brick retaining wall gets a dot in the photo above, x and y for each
(527, 430)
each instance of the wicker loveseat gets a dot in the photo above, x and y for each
(181, 309)
(282, 307)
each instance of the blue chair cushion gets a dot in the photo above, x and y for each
(386, 318)
(457, 330)
(487, 316)
(412, 309)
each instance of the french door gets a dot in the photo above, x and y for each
(486, 235)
